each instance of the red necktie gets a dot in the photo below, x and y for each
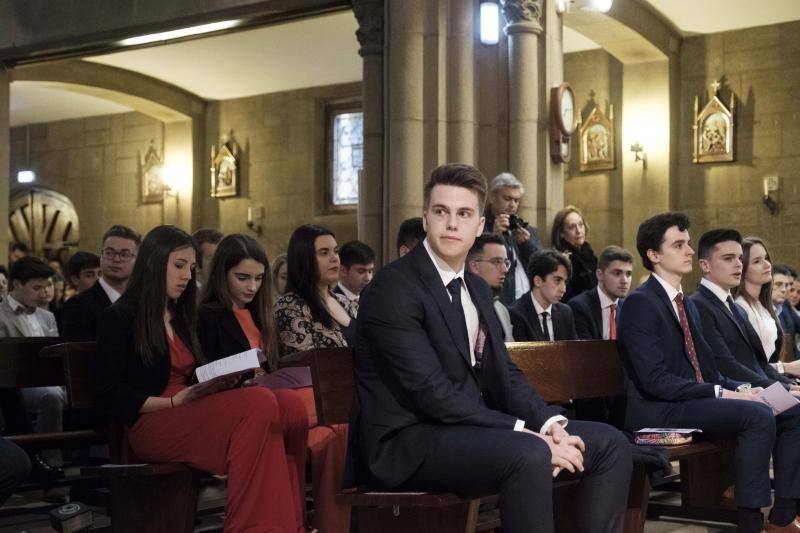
(687, 338)
(612, 323)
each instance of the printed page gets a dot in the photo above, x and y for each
(234, 364)
(778, 398)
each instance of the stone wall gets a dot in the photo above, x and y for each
(597, 194)
(283, 164)
(761, 66)
(95, 162)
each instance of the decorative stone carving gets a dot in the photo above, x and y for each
(370, 33)
(522, 15)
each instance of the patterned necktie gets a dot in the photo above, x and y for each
(612, 323)
(687, 338)
(545, 329)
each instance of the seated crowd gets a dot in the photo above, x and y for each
(438, 403)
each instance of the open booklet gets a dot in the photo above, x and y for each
(229, 366)
(778, 398)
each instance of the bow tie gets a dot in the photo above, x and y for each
(24, 310)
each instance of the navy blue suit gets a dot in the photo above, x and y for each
(425, 419)
(662, 391)
(588, 314)
(739, 355)
(81, 314)
(790, 324)
(527, 325)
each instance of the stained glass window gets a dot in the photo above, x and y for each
(348, 156)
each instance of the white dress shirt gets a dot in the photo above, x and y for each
(521, 283)
(605, 311)
(448, 274)
(718, 291)
(762, 322)
(347, 292)
(544, 323)
(32, 326)
(111, 292)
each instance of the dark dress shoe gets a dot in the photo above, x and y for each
(42, 471)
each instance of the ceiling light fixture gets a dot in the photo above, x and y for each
(177, 34)
(490, 23)
(27, 175)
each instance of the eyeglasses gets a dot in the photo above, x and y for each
(110, 254)
(496, 261)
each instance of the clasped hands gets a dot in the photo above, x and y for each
(566, 450)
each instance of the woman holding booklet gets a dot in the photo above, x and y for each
(147, 352)
(235, 316)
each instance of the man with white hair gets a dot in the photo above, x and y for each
(522, 240)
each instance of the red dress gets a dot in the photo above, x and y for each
(327, 447)
(242, 433)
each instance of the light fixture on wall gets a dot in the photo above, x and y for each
(490, 23)
(770, 185)
(639, 153)
(27, 175)
(562, 6)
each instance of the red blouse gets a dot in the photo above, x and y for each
(181, 366)
(248, 326)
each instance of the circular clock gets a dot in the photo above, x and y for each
(563, 109)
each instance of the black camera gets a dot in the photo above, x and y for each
(516, 222)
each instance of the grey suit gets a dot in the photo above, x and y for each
(14, 325)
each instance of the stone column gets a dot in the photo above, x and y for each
(461, 82)
(5, 157)
(403, 192)
(370, 34)
(523, 28)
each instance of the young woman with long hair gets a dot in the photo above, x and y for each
(310, 315)
(147, 352)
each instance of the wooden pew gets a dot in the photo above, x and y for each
(787, 348)
(572, 370)
(385, 512)
(158, 498)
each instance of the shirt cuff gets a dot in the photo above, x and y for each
(717, 391)
(519, 425)
(558, 419)
(779, 367)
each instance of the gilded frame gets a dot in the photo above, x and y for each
(151, 184)
(596, 136)
(225, 168)
(713, 130)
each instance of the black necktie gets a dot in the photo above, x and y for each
(545, 329)
(454, 288)
(731, 305)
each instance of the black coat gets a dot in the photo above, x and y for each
(413, 372)
(584, 269)
(735, 344)
(527, 326)
(122, 380)
(219, 333)
(589, 316)
(81, 314)
(522, 253)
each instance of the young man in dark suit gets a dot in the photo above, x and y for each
(81, 313)
(440, 406)
(672, 379)
(597, 311)
(783, 277)
(539, 314)
(358, 268)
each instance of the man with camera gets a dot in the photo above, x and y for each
(522, 240)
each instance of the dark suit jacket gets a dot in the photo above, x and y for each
(413, 372)
(657, 365)
(122, 381)
(733, 341)
(588, 314)
(219, 333)
(527, 326)
(81, 314)
(790, 324)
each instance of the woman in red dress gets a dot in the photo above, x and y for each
(147, 352)
(235, 315)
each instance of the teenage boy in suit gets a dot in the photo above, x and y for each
(440, 406)
(539, 314)
(672, 379)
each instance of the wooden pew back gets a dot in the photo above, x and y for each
(77, 359)
(332, 376)
(21, 366)
(570, 370)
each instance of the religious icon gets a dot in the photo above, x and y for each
(150, 169)
(713, 129)
(225, 168)
(597, 141)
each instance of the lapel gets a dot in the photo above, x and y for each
(484, 308)
(15, 320)
(533, 317)
(231, 325)
(722, 308)
(100, 297)
(661, 295)
(597, 311)
(433, 283)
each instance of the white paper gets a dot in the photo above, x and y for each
(682, 431)
(778, 398)
(241, 362)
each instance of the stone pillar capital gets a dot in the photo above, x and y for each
(370, 33)
(523, 16)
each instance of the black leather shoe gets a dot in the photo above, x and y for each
(42, 471)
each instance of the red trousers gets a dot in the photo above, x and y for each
(254, 435)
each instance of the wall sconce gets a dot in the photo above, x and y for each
(770, 185)
(639, 153)
(490, 23)
(255, 214)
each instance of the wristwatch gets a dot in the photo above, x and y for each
(744, 387)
